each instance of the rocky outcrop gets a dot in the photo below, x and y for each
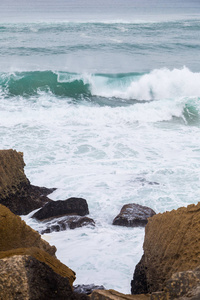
(71, 206)
(14, 233)
(16, 192)
(67, 222)
(182, 285)
(114, 295)
(17, 238)
(133, 215)
(23, 277)
(171, 245)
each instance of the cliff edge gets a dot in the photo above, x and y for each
(171, 245)
(16, 192)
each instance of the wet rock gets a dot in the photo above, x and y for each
(25, 278)
(73, 206)
(114, 295)
(171, 245)
(16, 192)
(133, 215)
(67, 222)
(87, 288)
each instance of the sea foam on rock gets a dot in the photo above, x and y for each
(64, 214)
(16, 192)
(133, 215)
(67, 222)
(171, 245)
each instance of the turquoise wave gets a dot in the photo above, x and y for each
(27, 84)
(113, 90)
(61, 84)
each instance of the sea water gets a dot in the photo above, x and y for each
(103, 100)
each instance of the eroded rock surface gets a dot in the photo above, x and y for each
(23, 277)
(71, 206)
(114, 295)
(17, 238)
(133, 215)
(182, 285)
(16, 192)
(14, 233)
(171, 245)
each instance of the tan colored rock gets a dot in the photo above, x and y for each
(15, 233)
(182, 286)
(23, 277)
(11, 172)
(44, 257)
(114, 295)
(171, 245)
(16, 192)
(17, 238)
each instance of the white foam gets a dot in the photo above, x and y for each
(158, 84)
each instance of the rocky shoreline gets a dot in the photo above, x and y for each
(169, 268)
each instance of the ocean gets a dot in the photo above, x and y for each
(103, 99)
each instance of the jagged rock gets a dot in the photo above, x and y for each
(87, 288)
(14, 233)
(23, 277)
(16, 192)
(17, 238)
(71, 206)
(171, 245)
(67, 222)
(133, 215)
(182, 285)
(114, 295)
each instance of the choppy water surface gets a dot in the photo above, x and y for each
(104, 103)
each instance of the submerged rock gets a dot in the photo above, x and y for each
(171, 245)
(133, 215)
(73, 206)
(16, 192)
(25, 278)
(87, 288)
(67, 222)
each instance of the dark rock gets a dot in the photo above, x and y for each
(139, 284)
(27, 199)
(87, 288)
(16, 192)
(133, 215)
(73, 206)
(26, 278)
(67, 222)
(171, 245)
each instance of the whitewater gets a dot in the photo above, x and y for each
(104, 102)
